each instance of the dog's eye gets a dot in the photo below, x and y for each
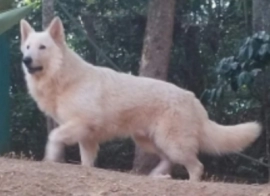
(27, 47)
(42, 47)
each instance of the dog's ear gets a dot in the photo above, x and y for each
(56, 30)
(26, 29)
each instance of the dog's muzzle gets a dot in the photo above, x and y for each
(33, 70)
(27, 61)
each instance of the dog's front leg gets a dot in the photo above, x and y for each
(88, 152)
(69, 133)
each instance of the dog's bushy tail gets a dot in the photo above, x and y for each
(219, 139)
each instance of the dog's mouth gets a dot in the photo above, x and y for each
(33, 70)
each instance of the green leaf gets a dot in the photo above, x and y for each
(219, 93)
(256, 44)
(27, 2)
(250, 51)
(234, 65)
(243, 65)
(213, 95)
(223, 67)
(247, 41)
(255, 72)
(90, 2)
(266, 37)
(244, 79)
(243, 53)
(11, 17)
(264, 50)
(262, 35)
(226, 64)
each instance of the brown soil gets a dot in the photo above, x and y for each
(28, 178)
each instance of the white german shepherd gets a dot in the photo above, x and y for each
(93, 105)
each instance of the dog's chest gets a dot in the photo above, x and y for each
(45, 96)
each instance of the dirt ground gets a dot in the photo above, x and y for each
(28, 178)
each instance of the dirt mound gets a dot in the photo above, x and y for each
(27, 178)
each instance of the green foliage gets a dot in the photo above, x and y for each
(28, 127)
(253, 56)
(90, 2)
(9, 18)
(29, 2)
(240, 71)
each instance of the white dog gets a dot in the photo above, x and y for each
(93, 105)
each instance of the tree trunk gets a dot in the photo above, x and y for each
(193, 66)
(47, 12)
(158, 39)
(47, 16)
(265, 111)
(261, 15)
(155, 61)
(88, 20)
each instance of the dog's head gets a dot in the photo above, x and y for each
(42, 50)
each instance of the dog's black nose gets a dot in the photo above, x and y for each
(27, 60)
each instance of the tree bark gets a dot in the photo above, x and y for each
(88, 21)
(47, 12)
(260, 22)
(193, 66)
(155, 61)
(47, 16)
(261, 15)
(158, 39)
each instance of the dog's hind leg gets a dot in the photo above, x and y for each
(163, 169)
(194, 167)
(177, 137)
(185, 155)
(88, 152)
(66, 134)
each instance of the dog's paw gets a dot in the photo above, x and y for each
(58, 160)
(161, 176)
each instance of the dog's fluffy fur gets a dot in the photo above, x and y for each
(94, 104)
